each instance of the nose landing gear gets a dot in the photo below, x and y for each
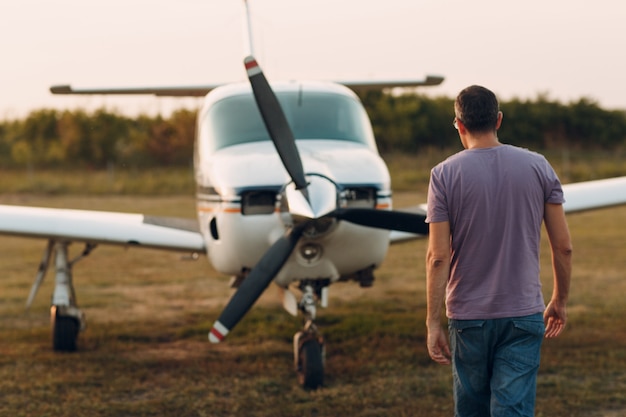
(309, 351)
(308, 345)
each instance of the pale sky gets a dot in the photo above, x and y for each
(565, 48)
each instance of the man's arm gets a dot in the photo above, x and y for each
(437, 273)
(555, 315)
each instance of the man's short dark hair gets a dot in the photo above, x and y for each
(477, 108)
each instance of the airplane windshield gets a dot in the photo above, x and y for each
(311, 115)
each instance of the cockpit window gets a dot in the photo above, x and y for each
(311, 115)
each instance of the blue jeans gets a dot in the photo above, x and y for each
(495, 364)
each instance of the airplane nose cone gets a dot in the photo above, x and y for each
(322, 198)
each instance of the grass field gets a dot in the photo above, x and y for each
(145, 351)
(409, 171)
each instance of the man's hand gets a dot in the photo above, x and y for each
(555, 318)
(438, 345)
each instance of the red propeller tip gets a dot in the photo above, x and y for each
(252, 67)
(218, 332)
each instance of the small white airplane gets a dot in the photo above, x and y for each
(290, 189)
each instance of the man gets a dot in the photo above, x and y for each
(486, 205)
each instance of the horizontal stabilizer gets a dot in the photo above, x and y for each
(430, 80)
(202, 90)
(182, 91)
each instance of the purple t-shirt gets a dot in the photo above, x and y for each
(494, 199)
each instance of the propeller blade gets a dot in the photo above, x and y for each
(384, 219)
(276, 122)
(255, 283)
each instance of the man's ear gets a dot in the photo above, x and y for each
(499, 121)
(462, 129)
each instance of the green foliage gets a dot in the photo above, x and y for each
(77, 139)
(547, 124)
(413, 122)
(408, 123)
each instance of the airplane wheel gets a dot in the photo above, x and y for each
(311, 365)
(64, 333)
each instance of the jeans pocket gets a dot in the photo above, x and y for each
(524, 342)
(460, 326)
(533, 325)
(467, 340)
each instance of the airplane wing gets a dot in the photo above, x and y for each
(102, 227)
(580, 196)
(596, 194)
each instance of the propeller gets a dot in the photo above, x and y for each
(276, 123)
(255, 283)
(384, 219)
(273, 260)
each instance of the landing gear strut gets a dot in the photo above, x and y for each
(308, 344)
(66, 319)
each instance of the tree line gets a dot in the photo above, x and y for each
(404, 123)
(412, 122)
(53, 138)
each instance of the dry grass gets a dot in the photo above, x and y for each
(145, 351)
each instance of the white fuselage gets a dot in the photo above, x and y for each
(242, 207)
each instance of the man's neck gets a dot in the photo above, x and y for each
(488, 140)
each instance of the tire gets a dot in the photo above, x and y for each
(311, 369)
(64, 334)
